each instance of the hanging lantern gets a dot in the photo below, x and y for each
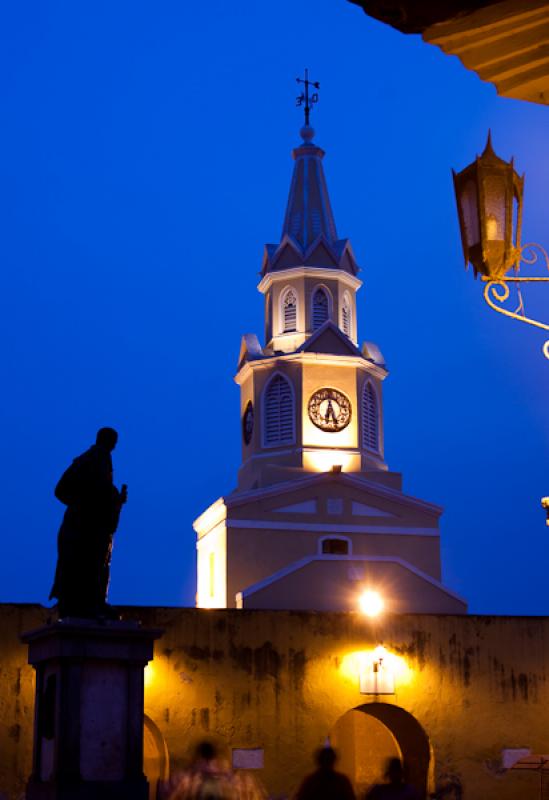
(489, 201)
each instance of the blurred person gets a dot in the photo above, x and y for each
(325, 783)
(210, 778)
(396, 788)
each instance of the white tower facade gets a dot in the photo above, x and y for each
(317, 517)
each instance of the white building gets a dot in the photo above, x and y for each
(317, 517)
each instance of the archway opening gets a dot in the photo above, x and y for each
(155, 756)
(367, 736)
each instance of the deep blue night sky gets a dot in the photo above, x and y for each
(145, 160)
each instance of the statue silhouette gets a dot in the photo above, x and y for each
(84, 542)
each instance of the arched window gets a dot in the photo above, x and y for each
(346, 315)
(279, 412)
(289, 311)
(321, 308)
(335, 547)
(370, 418)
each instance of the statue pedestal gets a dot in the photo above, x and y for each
(88, 721)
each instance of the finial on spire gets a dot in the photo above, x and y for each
(305, 99)
(489, 149)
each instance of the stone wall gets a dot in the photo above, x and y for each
(282, 681)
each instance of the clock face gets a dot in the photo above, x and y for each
(329, 410)
(248, 423)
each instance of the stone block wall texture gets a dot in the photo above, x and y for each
(281, 680)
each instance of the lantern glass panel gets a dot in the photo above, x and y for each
(469, 209)
(515, 220)
(494, 194)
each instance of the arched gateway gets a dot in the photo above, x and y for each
(366, 736)
(155, 756)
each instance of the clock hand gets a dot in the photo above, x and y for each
(330, 413)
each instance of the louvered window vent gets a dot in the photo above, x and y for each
(346, 316)
(290, 311)
(370, 418)
(279, 412)
(320, 308)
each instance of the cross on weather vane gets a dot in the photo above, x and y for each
(305, 98)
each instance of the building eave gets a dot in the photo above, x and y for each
(346, 478)
(415, 16)
(326, 359)
(322, 273)
(211, 517)
(505, 43)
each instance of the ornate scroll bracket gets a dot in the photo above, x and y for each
(496, 292)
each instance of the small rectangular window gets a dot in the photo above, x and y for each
(335, 547)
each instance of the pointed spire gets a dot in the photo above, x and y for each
(489, 153)
(489, 150)
(309, 213)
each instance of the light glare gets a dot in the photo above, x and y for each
(371, 603)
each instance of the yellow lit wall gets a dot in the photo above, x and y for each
(355, 661)
(212, 568)
(281, 681)
(324, 460)
(342, 378)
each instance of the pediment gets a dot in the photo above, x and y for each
(287, 255)
(366, 492)
(346, 257)
(348, 263)
(320, 255)
(363, 510)
(329, 339)
(306, 507)
(322, 583)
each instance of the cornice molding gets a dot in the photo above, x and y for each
(327, 359)
(209, 519)
(325, 273)
(353, 480)
(325, 527)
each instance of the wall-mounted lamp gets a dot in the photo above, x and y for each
(545, 505)
(489, 196)
(376, 675)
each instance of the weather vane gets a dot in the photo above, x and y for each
(304, 97)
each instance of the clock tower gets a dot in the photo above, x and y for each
(317, 517)
(311, 399)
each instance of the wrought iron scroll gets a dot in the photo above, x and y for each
(497, 292)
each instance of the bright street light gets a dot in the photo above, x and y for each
(371, 603)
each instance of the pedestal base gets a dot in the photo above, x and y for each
(88, 790)
(88, 732)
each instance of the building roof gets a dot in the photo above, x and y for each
(506, 43)
(331, 582)
(415, 16)
(309, 213)
(309, 235)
